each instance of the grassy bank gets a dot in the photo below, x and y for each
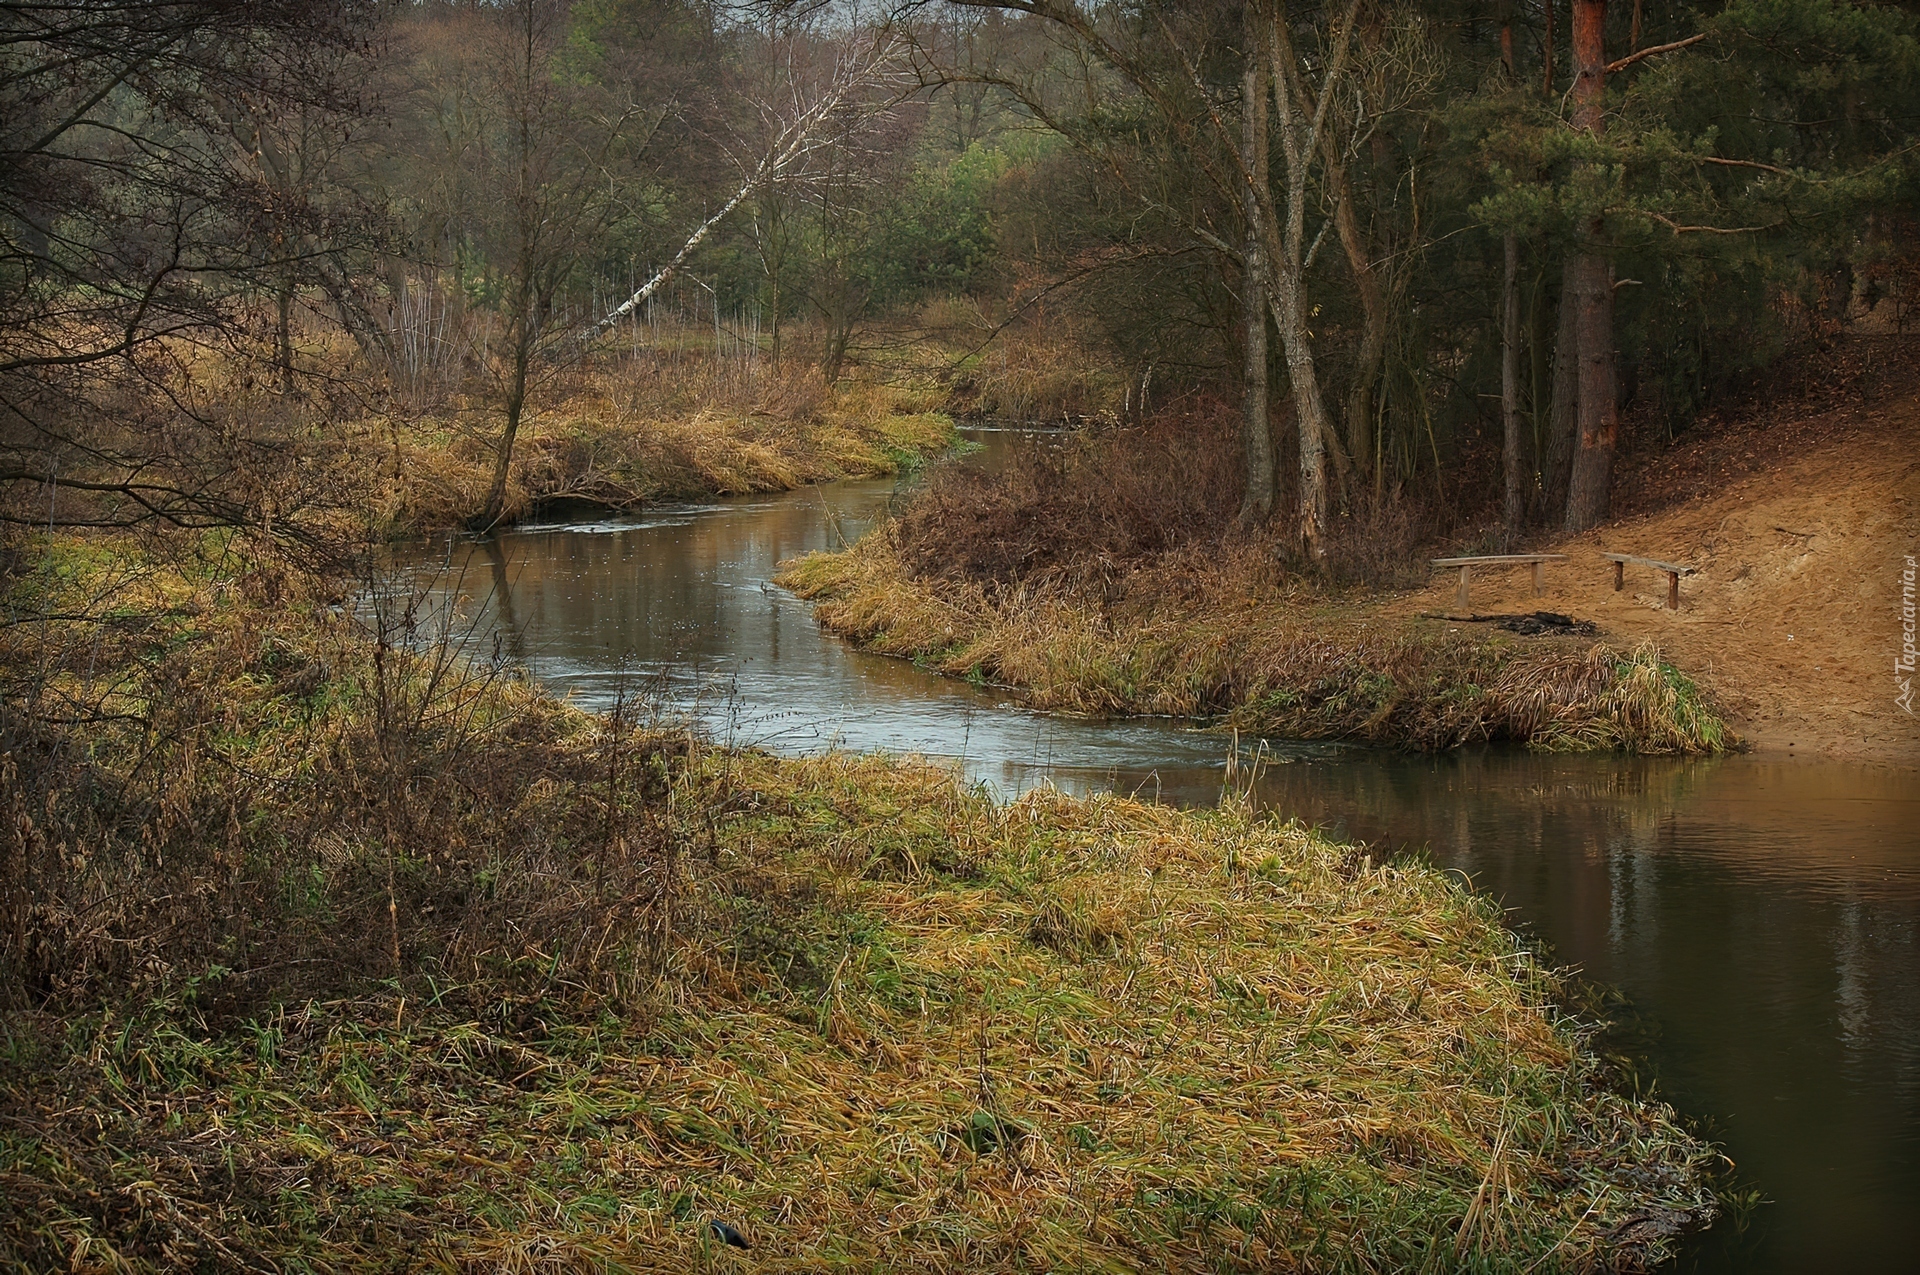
(653, 426)
(322, 953)
(1225, 635)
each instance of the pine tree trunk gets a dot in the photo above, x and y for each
(1591, 485)
(1590, 490)
(1563, 422)
(1513, 456)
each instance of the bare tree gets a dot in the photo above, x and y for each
(1307, 61)
(129, 234)
(1303, 90)
(534, 162)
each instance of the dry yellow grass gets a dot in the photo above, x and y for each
(629, 432)
(1223, 639)
(1085, 1035)
(346, 957)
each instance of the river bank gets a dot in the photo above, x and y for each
(647, 429)
(1280, 658)
(1799, 527)
(340, 952)
(1029, 579)
(1749, 908)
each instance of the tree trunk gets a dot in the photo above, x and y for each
(1516, 493)
(516, 408)
(776, 320)
(1372, 352)
(1589, 493)
(283, 333)
(1257, 503)
(1546, 52)
(1514, 509)
(1310, 413)
(839, 335)
(1590, 487)
(1563, 423)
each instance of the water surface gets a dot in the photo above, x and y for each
(1762, 917)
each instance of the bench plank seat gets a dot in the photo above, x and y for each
(1655, 563)
(1466, 566)
(1494, 559)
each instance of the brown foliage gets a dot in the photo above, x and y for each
(1085, 503)
(256, 805)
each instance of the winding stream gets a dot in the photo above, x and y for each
(1762, 917)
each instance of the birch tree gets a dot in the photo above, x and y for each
(803, 124)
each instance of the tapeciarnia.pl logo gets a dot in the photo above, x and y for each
(1903, 662)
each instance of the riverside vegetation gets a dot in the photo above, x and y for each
(1101, 575)
(331, 946)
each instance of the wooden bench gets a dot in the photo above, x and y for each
(1467, 565)
(1673, 569)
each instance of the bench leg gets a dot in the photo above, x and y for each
(1619, 576)
(1460, 599)
(1539, 579)
(1673, 590)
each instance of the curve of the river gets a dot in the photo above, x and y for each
(1762, 917)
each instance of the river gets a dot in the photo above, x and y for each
(1761, 917)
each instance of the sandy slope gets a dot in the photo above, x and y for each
(1793, 621)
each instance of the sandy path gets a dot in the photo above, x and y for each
(1793, 621)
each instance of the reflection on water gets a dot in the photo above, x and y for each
(1761, 916)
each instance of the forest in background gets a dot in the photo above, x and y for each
(1435, 255)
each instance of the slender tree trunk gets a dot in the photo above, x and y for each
(1514, 510)
(1546, 52)
(516, 408)
(528, 223)
(776, 321)
(1300, 139)
(283, 333)
(1257, 503)
(1513, 456)
(1563, 422)
(1590, 490)
(1372, 352)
